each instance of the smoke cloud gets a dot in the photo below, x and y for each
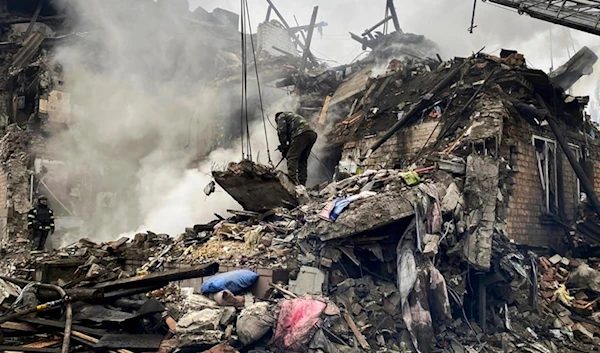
(153, 116)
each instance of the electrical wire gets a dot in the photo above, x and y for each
(243, 75)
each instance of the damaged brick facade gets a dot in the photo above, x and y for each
(527, 219)
(529, 214)
(399, 149)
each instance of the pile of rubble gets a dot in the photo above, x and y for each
(569, 288)
(380, 261)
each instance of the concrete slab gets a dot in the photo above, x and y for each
(256, 187)
(481, 190)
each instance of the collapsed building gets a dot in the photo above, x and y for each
(456, 183)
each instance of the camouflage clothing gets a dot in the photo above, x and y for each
(290, 126)
(297, 139)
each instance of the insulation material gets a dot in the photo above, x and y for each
(297, 322)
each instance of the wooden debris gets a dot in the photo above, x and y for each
(323, 115)
(359, 336)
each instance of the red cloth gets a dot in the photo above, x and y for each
(297, 322)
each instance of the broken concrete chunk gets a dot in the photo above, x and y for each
(195, 321)
(94, 271)
(455, 166)
(582, 333)
(227, 316)
(451, 199)
(198, 338)
(254, 322)
(196, 302)
(256, 187)
(310, 281)
(7, 290)
(555, 259)
(325, 262)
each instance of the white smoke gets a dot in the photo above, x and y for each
(153, 115)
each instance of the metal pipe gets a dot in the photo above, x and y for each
(63, 295)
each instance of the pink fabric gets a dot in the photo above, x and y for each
(297, 322)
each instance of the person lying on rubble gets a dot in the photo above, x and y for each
(296, 139)
(40, 223)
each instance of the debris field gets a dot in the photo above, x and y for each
(461, 214)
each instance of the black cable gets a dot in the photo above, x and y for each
(244, 104)
(262, 109)
(243, 74)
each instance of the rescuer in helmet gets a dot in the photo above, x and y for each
(40, 223)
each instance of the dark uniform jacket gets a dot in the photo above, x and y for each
(40, 218)
(290, 126)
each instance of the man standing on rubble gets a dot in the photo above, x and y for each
(296, 139)
(40, 223)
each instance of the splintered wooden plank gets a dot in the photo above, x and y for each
(323, 115)
(17, 326)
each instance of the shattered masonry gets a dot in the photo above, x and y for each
(464, 230)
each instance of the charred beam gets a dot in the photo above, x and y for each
(392, 8)
(34, 18)
(12, 21)
(311, 29)
(293, 30)
(283, 21)
(158, 279)
(376, 25)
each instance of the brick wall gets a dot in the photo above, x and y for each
(273, 34)
(526, 206)
(596, 176)
(400, 148)
(3, 205)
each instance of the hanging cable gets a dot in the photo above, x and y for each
(551, 51)
(262, 108)
(243, 74)
(245, 126)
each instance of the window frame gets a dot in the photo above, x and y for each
(545, 173)
(579, 154)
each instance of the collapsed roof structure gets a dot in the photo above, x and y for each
(456, 183)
